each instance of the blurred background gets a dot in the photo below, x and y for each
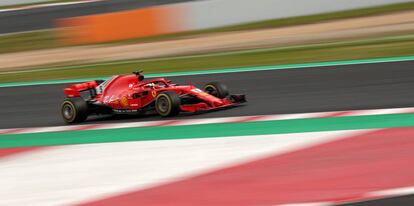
(330, 133)
(96, 38)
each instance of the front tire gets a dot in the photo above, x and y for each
(74, 110)
(216, 89)
(168, 104)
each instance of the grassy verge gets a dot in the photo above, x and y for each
(347, 50)
(28, 41)
(48, 39)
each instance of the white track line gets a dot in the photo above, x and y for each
(375, 195)
(208, 120)
(18, 8)
(392, 192)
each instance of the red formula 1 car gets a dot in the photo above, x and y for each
(131, 94)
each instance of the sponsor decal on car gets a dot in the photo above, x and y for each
(124, 101)
(111, 99)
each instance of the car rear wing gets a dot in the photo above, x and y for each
(75, 90)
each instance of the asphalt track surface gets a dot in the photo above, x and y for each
(44, 17)
(394, 201)
(317, 89)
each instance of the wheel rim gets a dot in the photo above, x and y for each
(67, 111)
(211, 90)
(163, 105)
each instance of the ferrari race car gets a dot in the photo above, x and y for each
(131, 94)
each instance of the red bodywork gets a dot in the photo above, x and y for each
(127, 93)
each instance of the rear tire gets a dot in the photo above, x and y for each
(168, 104)
(216, 89)
(74, 110)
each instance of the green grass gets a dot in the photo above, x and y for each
(28, 41)
(48, 39)
(347, 50)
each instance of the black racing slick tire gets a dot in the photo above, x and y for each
(216, 89)
(74, 110)
(168, 104)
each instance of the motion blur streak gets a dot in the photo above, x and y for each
(6, 152)
(81, 173)
(193, 15)
(111, 26)
(337, 171)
